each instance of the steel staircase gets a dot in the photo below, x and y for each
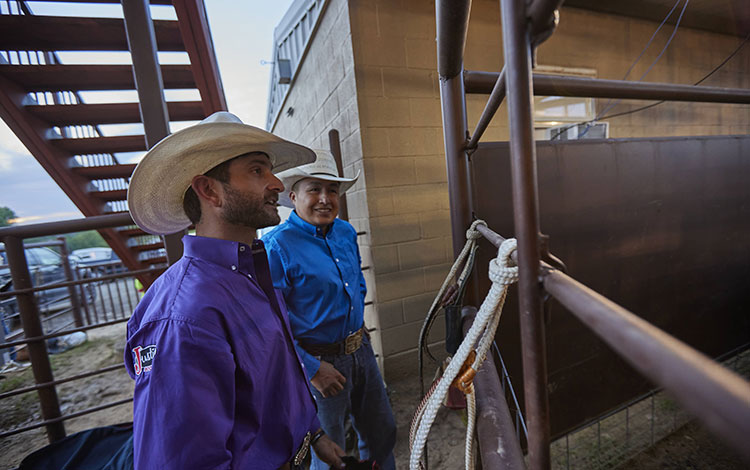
(40, 100)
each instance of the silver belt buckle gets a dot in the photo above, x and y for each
(299, 457)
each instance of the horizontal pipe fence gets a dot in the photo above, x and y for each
(100, 295)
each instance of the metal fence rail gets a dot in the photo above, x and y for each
(106, 297)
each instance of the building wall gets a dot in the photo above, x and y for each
(323, 97)
(402, 144)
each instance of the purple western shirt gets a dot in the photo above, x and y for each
(218, 382)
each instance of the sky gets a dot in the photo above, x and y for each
(243, 35)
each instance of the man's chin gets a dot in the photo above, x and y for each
(272, 219)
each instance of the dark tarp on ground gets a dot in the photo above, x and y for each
(109, 447)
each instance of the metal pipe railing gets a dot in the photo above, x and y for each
(19, 391)
(452, 19)
(493, 418)
(32, 326)
(59, 420)
(98, 279)
(517, 49)
(715, 395)
(557, 85)
(493, 103)
(67, 226)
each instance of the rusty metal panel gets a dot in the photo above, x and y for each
(660, 226)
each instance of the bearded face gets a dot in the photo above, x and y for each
(250, 209)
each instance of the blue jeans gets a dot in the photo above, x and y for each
(365, 400)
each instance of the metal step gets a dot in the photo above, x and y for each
(113, 195)
(148, 247)
(111, 113)
(132, 232)
(96, 145)
(53, 33)
(107, 171)
(90, 77)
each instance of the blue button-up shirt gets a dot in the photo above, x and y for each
(321, 279)
(218, 383)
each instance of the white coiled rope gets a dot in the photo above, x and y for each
(502, 272)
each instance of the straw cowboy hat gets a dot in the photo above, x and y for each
(324, 168)
(159, 182)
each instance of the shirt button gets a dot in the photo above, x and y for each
(234, 268)
(337, 260)
(250, 276)
(242, 248)
(346, 284)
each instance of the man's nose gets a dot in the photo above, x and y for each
(275, 184)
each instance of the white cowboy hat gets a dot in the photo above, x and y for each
(159, 182)
(324, 168)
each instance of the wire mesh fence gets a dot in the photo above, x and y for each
(634, 427)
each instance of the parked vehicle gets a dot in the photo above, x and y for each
(45, 268)
(101, 260)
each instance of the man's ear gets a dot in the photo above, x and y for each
(293, 197)
(208, 190)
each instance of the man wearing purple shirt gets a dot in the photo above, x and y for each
(218, 383)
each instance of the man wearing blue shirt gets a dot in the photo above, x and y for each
(315, 262)
(218, 383)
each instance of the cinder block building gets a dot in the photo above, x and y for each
(368, 69)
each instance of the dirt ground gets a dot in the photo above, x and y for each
(104, 347)
(690, 447)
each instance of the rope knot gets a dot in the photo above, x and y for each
(503, 270)
(473, 233)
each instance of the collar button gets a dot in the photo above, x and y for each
(234, 268)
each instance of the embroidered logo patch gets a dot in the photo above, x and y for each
(143, 358)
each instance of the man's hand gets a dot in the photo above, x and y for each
(328, 451)
(328, 380)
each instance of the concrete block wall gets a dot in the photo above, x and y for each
(401, 129)
(407, 195)
(323, 97)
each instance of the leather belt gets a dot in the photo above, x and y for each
(348, 346)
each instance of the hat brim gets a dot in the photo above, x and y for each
(159, 182)
(290, 177)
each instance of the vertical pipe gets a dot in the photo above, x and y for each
(32, 327)
(452, 24)
(455, 128)
(150, 86)
(335, 145)
(75, 302)
(517, 49)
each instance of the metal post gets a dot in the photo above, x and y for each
(517, 49)
(452, 18)
(150, 86)
(455, 126)
(32, 327)
(75, 302)
(335, 145)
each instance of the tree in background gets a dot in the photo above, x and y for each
(6, 215)
(87, 239)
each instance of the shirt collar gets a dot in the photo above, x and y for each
(307, 227)
(234, 256)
